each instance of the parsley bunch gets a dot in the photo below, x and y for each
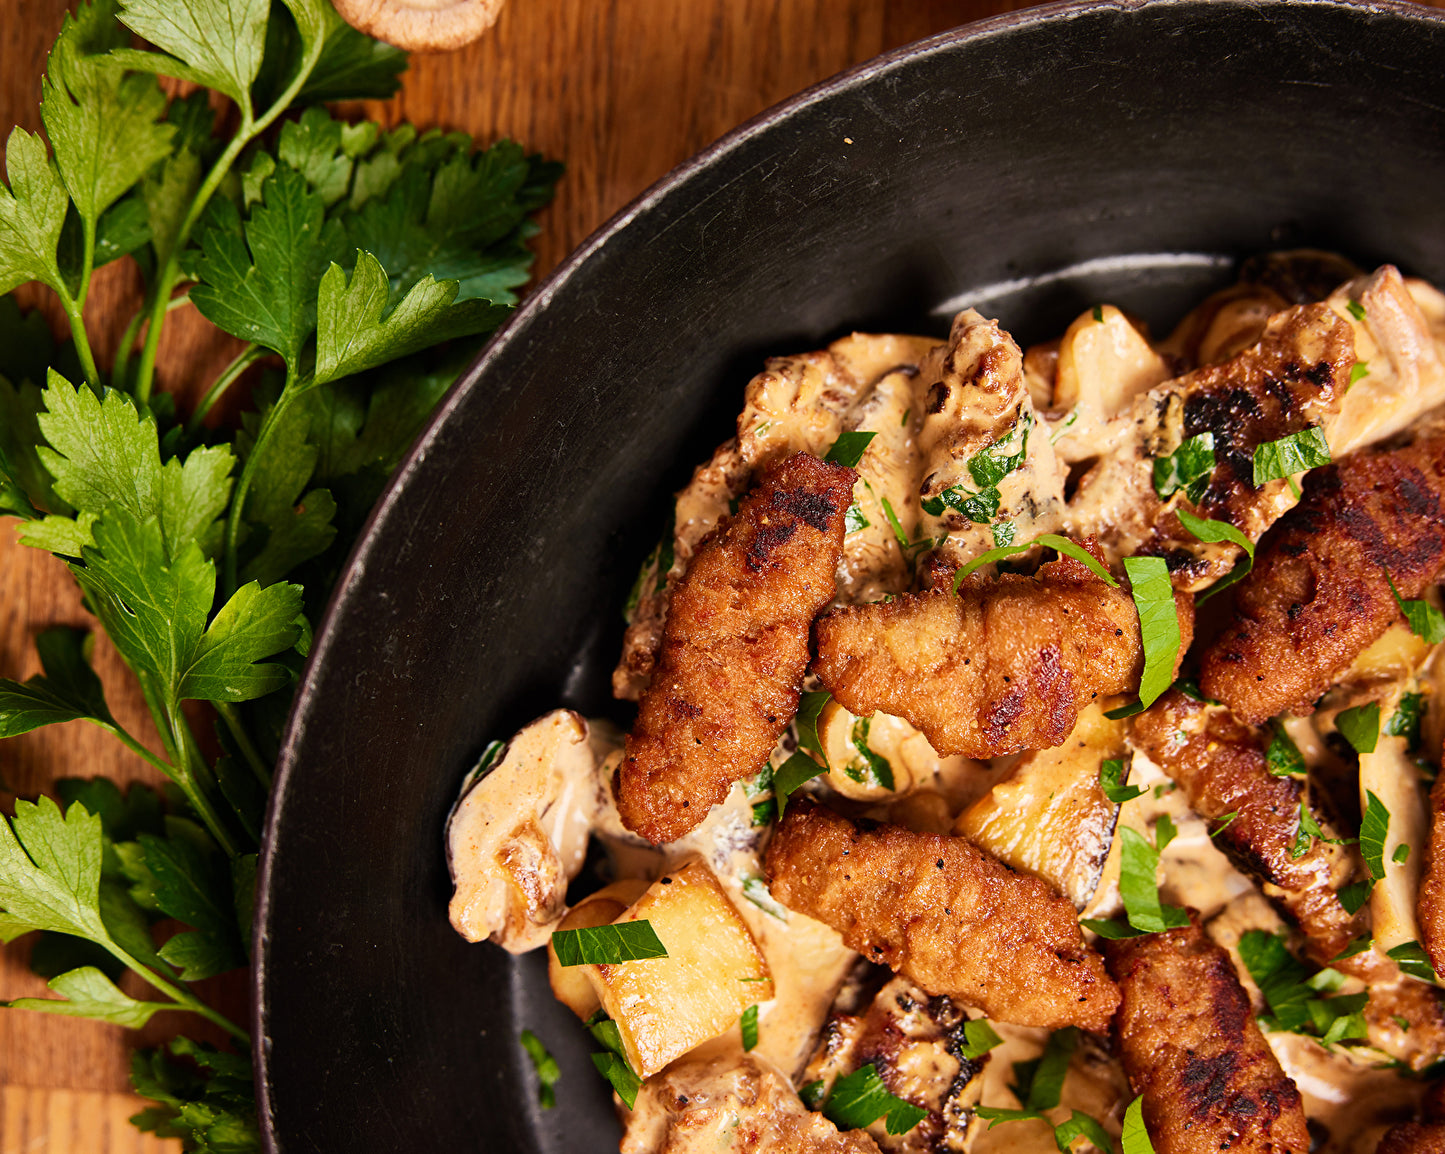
(360, 267)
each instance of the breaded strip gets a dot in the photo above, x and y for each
(1430, 905)
(1003, 665)
(1318, 595)
(1221, 766)
(1426, 1136)
(734, 649)
(1291, 379)
(1191, 1047)
(945, 915)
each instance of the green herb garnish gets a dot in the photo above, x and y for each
(859, 1099)
(1158, 623)
(608, 945)
(1424, 619)
(1405, 721)
(546, 1068)
(1283, 757)
(1358, 372)
(855, 519)
(979, 1038)
(868, 768)
(848, 449)
(1297, 453)
(1188, 468)
(1111, 773)
(790, 775)
(1053, 541)
(612, 1061)
(1292, 992)
(1213, 532)
(1356, 310)
(1413, 960)
(748, 1024)
(1134, 1138)
(755, 889)
(1360, 726)
(1374, 829)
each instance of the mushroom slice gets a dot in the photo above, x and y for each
(1050, 817)
(518, 834)
(1104, 363)
(421, 25)
(916, 1045)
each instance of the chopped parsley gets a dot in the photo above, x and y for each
(805, 722)
(1212, 532)
(1292, 992)
(1425, 620)
(546, 1067)
(1188, 468)
(859, 1099)
(1355, 895)
(1135, 1136)
(1111, 774)
(1356, 310)
(1138, 885)
(755, 889)
(1099, 314)
(1283, 757)
(608, 945)
(848, 449)
(1374, 829)
(1358, 372)
(1413, 960)
(1053, 541)
(855, 519)
(868, 768)
(1297, 453)
(1003, 533)
(979, 1038)
(1360, 726)
(611, 1061)
(987, 468)
(798, 769)
(1158, 623)
(748, 1024)
(1039, 1085)
(1405, 721)
(1401, 854)
(1309, 830)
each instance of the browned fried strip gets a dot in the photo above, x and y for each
(1318, 595)
(1004, 665)
(1426, 1136)
(1191, 1047)
(1221, 766)
(734, 649)
(944, 914)
(1430, 904)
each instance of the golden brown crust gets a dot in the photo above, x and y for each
(1221, 766)
(944, 914)
(734, 649)
(1190, 1046)
(1430, 905)
(1413, 1138)
(1004, 665)
(1318, 595)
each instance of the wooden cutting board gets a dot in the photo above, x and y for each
(622, 91)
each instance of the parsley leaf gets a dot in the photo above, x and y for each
(219, 42)
(859, 1099)
(1425, 620)
(1360, 726)
(848, 449)
(979, 1038)
(351, 335)
(1291, 992)
(1296, 453)
(868, 768)
(1053, 541)
(1134, 1139)
(805, 722)
(68, 689)
(1213, 532)
(546, 1069)
(1188, 468)
(1405, 721)
(1309, 830)
(1355, 895)
(1283, 757)
(1413, 960)
(791, 774)
(209, 1101)
(748, 1024)
(188, 879)
(104, 124)
(1158, 623)
(1374, 829)
(1111, 773)
(608, 945)
(612, 1062)
(259, 281)
(32, 212)
(755, 889)
(1139, 866)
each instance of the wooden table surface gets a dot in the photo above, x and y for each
(622, 90)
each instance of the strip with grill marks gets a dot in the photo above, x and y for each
(1191, 1048)
(1320, 594)
(734, 649)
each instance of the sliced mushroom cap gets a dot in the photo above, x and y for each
(421, 25)
(519, 833)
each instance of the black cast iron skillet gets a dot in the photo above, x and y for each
(1030, 165)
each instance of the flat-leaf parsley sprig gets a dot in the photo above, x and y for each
(365, 264)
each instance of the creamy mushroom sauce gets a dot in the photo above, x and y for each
(1070, 397)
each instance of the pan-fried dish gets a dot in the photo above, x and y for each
(1033, 750)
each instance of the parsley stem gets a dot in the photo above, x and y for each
(87, 262)
(166, 279)
(289, 392)
(82, 341)
(192, 776)
(232, 717)
(229, 375)
(137, 748)
(183, 999)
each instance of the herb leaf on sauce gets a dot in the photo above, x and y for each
(1413, 960)
(1053, 541)
(1360, 726)
(608, 945)
(1188, 468)
(1425, 620)
(1212, 532)
(848, 449)
(1111, 772)
(859, 1099)
(1158, 624)
(611, 1061)
(1297, 453)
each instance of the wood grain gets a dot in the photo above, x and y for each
(622, 90)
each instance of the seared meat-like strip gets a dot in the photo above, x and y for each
(915, 1042)
(1430, 906)
(1319, 593)
(734, 649)
(1292, 379)
(1221, 766)
(1426, 1136)
(1191, 1047)
(945, 915)
(741, 1104)
(1003, 665)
